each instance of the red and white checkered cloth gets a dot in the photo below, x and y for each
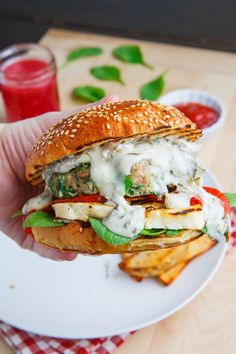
(27, 343)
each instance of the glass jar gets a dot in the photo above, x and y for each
(28, 81)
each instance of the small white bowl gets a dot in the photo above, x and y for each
(189, 95)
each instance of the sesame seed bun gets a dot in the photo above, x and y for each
(103, 123)
(74, 237)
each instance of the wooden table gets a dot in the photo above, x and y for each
(208, 323)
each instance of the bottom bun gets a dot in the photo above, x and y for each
(75, 237)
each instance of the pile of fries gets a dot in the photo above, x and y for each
(165, 264)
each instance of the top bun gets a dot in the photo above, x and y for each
(103, 123)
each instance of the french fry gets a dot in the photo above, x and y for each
(152, 263)
(165, 264)
(170, 275)
(194, 249)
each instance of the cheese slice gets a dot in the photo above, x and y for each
(189, 218)
(81, 211)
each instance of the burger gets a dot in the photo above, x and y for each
(121, 177)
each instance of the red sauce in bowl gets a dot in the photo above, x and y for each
(203, 116)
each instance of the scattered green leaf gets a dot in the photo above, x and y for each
(130, 54)
(42, 219)
(88, 93)
(107, 235)
(16, 214)
(80, 53)
(153, 89)
(128, 184)
(231, 198)
(106, 72)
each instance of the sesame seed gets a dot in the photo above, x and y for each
(42, 153)
(86, 122)
(72, 136)
(74, 130)
(62, 132)
(108, 126)
(67, 132)
(167, 116)
(118, 119)
(78, 125)
(131, 121)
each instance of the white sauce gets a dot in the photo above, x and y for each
(39, 202)
(171, 161)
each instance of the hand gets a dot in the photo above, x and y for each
(16, 141)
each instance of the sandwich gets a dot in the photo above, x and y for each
(121, 177)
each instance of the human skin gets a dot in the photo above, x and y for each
(16, 141)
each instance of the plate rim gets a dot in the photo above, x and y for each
(172, 311)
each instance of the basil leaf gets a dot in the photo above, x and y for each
(88, 93)
(107, 235)
(128, 183)
(173, 232)
(204, 230)
(83, 52)
(16, 214)
(152, 232)
(153, 89)
(231, 198)
(42, 219)
(79, 53)
(130, 54)
(106, 72)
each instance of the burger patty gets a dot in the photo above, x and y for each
(78, 181)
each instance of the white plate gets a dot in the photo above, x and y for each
(91, 297)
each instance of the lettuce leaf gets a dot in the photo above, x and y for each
(231, 198)
(107, 235)
(42, 219)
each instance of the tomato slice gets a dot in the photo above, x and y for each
(195, 201)
(87, 198)
(28, 231)
(221, 196)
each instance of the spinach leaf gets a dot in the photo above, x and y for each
(79, 53)
(16, 214)
(107, 235)
(152, 232)
(83, 52)
(204, 230)
(153, 89)
(231, 198)
(173, 232)
(106, 72)
(130, 54)
(128, 183)
(89, 93)
(42, 219)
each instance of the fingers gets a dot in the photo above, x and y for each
(53, 254)
(47, 252)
